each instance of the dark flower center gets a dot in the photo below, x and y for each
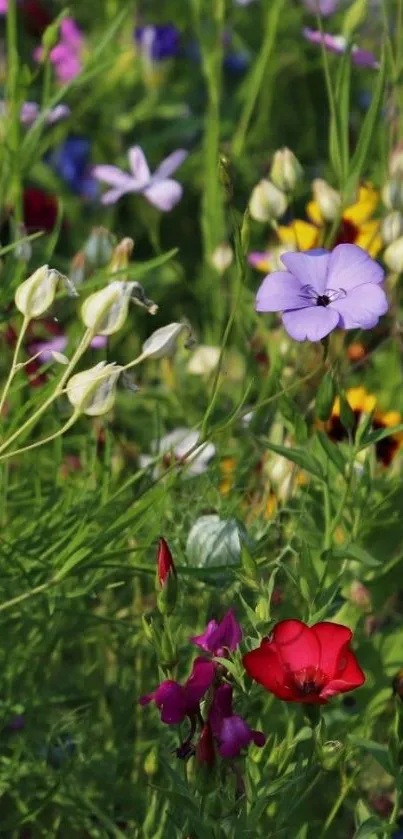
(346, 234)
(387, 448)
(322, 300)
(309, 680)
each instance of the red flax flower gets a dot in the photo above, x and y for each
(305, 664)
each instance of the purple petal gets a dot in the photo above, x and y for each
(350, 266)
(234, 736)
(113, 195)
(280, 291)
(203, 640)
(362, 307)
(198, 683)
(99, 342)
(310, 324)
(164, 194)
(139, 166)
(221, 707)
(29, 113)
(324, 7)
(364, 58)
(46, 348)
(170, 698)
(58, 113)
(259, 258)
(258, 738)
(113, 176)
(70, 33)
(310, 267)
(170, 164)
(334, 43)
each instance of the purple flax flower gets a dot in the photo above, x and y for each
(158, 42)
(322, 290)
(339, 44)
(231, 731)
(323, 7)
(218, 638)
(159, 189)
(66, 55)
(177, 701)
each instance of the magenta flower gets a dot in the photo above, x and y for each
(338, 44)
(159, 189)
(66, 55)
(230, 730)
(177, 701)
(3, 7)
(322, 290)
(218, 638)
(323, 7)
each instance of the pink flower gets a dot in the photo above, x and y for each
(177, 701)
(66, 55)
(44, 349)
(323, 7)
(230, 730)
(159, 189)
(218, 638)
(3, 7)
(338, 44)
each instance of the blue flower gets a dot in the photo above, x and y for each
(70, 161)
(161, 42)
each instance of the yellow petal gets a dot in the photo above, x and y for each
(369, 238)
(299, 233)
(364, 208)
(313, 212)
(360, 400)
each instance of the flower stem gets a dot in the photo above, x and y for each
(13, 368)
(45, 440)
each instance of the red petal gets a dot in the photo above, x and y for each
(264, 667)
(296, 644)
(351, 678)
(333, 639)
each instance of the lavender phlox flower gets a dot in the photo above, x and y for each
(159, 189)
(322, 290)
(230, 730)
(339, 44)
(218, 638)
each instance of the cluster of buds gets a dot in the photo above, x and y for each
(269, 199)
(392, 225)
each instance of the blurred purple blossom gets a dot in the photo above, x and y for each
(338, 44)
(217, 638)
(159, 189)
(231, 730)
(323, 7)
(158, 42)
(31, 111)
(44, 349)
(66, 55)
(3, 7)
(320, 291)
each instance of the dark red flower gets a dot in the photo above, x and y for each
(40, 210)
(205, 752)
(305, 664)
(36, 16)
(165, 563)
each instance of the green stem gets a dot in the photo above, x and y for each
(45, 440)
(327, 540)
(345, 789)
(83, 345)
(14, 363)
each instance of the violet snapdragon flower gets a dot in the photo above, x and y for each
(66, 55)
(176, 701)
(218, 638)
(159, 189)
(230, 730)
(322, 290)
(338, 44)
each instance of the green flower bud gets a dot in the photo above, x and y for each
(286, 170)
(36, 294)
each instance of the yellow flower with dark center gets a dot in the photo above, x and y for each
(361, 402)
(387, 449)
(357, 225)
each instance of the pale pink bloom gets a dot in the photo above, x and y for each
(159, 189)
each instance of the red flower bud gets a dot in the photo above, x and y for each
(165, 563)
(205, 747)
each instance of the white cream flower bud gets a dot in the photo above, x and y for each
(392, 227)
(392, 194)
(163, 342)
(286, 170)
(93, 391)
(393, 256)
(222, 257)
(36, 294)
(267, 202)
(105, 311)
(204, 360)
(329, 199)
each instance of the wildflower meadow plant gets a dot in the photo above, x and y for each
(201, 467)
